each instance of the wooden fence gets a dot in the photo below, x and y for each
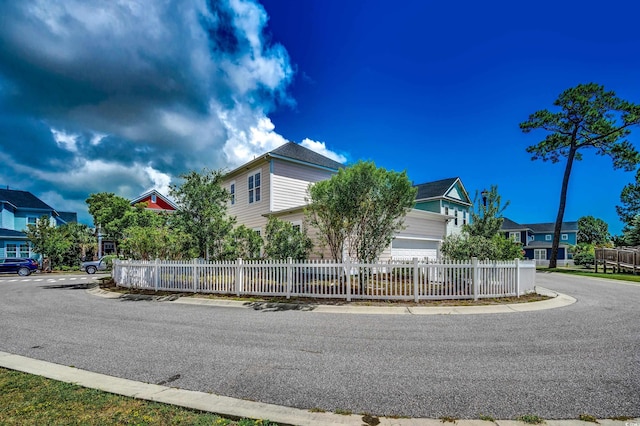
(620, 260)
(414, 280)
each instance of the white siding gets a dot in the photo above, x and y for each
(290, 183)
(250, 215)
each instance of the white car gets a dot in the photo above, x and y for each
(92, 266)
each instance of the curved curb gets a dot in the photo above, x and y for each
(232, 407)
(558, 300)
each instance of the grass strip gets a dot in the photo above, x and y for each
(30, 399)
(586, 273)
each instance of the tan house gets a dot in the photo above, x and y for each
(276, 184)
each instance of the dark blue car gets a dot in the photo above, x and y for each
(22, 266)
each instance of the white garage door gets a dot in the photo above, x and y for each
(410, 248)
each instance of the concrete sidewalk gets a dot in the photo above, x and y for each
(237, 408)
(557, 300)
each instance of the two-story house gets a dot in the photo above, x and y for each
(447, 197)
(276, 183)
(155, 201)
(537, 238)
(17, 210)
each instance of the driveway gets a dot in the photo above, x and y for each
(557, 363)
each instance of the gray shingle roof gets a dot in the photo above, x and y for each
(23, 199)
(298, 152)
(10, 233)
(437, 188)
(68, 217)
(549, 227)
(509, 224)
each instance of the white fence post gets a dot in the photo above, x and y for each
(517, 277)
(347, 267)
(415, 279)
(239, 278)
(476, 277)
(289, 276)
(155, 275)
(195, 275)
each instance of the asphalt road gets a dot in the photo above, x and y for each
(584, 358)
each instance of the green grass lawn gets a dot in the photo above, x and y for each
(592, 273)
(35, 400)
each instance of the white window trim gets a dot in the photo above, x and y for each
(232, 184)
(548, 237)
(249, 191)
(295, 223)
(515, 236)
(154, 198)
(564, 237)
(536, 253)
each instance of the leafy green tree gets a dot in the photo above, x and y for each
(486, 217)
(630, 198)
(48, 240)
(588, 117)
(631, 233)
(108, 211)
(155, 242)
(202, 208)
(465, 246)
(284, 241)
(242, 243)
(593, 231)
(482, 237)
(360, 208)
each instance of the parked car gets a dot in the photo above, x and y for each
(23, 266)
(92, 266)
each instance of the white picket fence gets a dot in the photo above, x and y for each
(414, 280)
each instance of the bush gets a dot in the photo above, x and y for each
(465, 246)
(585, 259)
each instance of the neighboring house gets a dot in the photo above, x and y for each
(447, 197)
(276, 183)
(155, 201)
(17, 210)
(537, 238)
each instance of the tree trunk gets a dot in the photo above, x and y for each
(553, 262)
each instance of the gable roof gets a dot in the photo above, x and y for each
(155, 192)
(23, 199)
(508, 225)
(292, 151)
(298, 152)
(440, 189)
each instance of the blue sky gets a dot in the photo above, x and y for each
(123, 97)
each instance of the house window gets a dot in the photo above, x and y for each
(540, 254)
(464, 218)
(254, 185)
(154, 199)
(565, 237)
(232, 190)
(515, 236)
(455, 213)
(23, 250)
(32, 220)
(257, 231)
(446, 211)
(548, 237)
(297, 225)
(11, 250)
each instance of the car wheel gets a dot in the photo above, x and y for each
(91, 269)
(23, 272)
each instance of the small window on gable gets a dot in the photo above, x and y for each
(232, 191)
(548, 237)
(154, 199)
(254, 186)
